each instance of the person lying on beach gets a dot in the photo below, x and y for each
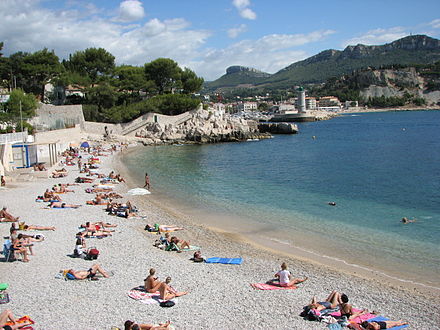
(151, 283)
(7, 316)
(90, 273)
(96, 227)
(94, 233)
(97, 201)
(377, 325)
(181, 244)
(63, 205)
(99, 189)
(332, 301)
(130, 325)
(83, 180)
(50, 196)
(405, 220)
(167, 292)
(36, 227)
(284, 278)
(5, 216)
(166, 228)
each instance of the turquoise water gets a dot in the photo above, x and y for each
(377, 167)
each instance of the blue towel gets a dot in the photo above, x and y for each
(229, 261)
(381, 318)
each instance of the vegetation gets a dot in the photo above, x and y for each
(112, 93)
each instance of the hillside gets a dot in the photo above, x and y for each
(238, 76)
(417, 49)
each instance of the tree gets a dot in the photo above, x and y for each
(165, 73)
(190, 82)
(94, 62)
(130, 78)
(28, 105)
(103, 96)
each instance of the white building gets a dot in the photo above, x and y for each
(246, 106)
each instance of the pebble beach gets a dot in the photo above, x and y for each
(220, 296)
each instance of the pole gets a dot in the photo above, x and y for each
(22, 138)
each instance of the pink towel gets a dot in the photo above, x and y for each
(144, 297)
(359, 319)
(265, 286)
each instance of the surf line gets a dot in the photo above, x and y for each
(355, 265)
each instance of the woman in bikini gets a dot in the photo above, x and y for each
(130, 325)
(347, 309)
(332, 301)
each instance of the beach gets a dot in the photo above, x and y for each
(220, 296)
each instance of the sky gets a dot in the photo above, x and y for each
(208, 36)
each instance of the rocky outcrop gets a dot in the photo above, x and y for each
(278, 128)
(201, 126)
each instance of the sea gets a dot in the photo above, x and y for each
(375, 167)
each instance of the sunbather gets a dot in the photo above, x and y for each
(63, 205)
(167, 292)
(347, 309)
(90, 273)
(376, 325)
(19, 246)
(130, 325)
(284, 278)
(181, 244)
(36, 227)
(97, 227)
(7, 316)
(151, 283)
(5, 216)
(49, 196)
(332, 301)
(165, 228)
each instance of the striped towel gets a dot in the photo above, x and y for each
(265, 286)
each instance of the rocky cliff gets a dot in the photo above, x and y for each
(201, 126)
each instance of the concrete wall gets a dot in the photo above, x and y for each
(66, 135)
(51, 117)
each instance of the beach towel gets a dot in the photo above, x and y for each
(229, 261)
(23, 319)
(265, 286)
(138, 192)
(191, 248)
(381, 318)
(140, 294)
(357, 320)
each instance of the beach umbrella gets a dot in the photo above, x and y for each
(85, 145)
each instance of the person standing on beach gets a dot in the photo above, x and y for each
(147, 181)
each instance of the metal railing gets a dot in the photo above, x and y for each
(13, 137)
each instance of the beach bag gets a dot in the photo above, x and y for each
(92, 254)
(168, 303)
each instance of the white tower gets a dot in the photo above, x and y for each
(301, 100)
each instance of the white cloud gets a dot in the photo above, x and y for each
(378, 36)
(235, 32)
(244, 10)
(435, 23)
(270, 53)
(130, 10)
(26, 26)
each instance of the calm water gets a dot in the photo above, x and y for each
(377, 167)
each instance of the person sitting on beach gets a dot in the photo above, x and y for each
(49, 196)
(80, 246)
(284, 278)
(61, 189)
(90, 273)
(2, 181)
(183, 244)
(39, 167)
(5, 216)
(347, 309)
(377, 325)
(151, 283)
(36, 227)
(60, 205)
(130, 325)
(405, 220)
(18, 245)
(332, 301)
(167, 292)
(7, 316)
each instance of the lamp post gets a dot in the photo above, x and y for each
(23, 154)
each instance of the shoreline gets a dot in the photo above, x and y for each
(361, 110)
(275, 249)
